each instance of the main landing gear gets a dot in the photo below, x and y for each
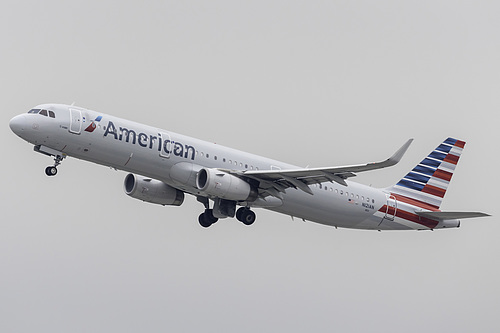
(52, 170)
(222, 209)
(207, 218)
(245, 215)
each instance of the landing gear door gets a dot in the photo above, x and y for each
(392, 208)
(75, 121)
(166, 145)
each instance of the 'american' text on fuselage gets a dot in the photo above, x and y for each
(148, 141)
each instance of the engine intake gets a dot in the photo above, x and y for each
(152, 190)
(223, 185)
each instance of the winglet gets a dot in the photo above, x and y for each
(394, 159)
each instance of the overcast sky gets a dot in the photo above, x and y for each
(318, 83)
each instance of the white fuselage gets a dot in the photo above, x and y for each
(152, 152)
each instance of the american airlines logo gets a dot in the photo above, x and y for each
(164, 145)
(93, 125)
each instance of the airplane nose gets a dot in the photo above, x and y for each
(18, 124)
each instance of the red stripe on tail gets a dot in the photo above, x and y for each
(441, 174)
(450, 158)
(438, 192)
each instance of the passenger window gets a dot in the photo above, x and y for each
(52, 114)
(44, 113)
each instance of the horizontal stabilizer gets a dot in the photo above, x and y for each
(451, 215)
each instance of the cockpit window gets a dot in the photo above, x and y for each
(46, 113)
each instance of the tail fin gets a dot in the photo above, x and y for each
(429, 180)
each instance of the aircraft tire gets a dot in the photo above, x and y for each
(246, 216)
(209, 213)
(239, 212)
(203, 220)
(51, 171)
(206, 219)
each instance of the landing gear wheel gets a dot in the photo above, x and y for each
(248, 217)
(206, 219)
(245, 215)
(51, 171)
(209, 213)
(204, 222)
(239, 212)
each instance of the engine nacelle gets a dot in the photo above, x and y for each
(152, 190)
(224, 185)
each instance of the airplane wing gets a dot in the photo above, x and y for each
(274, 182)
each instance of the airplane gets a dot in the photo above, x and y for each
(163, 166)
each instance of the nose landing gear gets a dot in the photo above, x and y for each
(52, 170)
(58, 157)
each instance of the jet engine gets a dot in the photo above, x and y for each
(223, 185)
(152, 190)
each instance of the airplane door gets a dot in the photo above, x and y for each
(75, 119)
(392, 208)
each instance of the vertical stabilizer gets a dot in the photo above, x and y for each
(429, 180)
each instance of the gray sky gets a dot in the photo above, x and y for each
(310, 83)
